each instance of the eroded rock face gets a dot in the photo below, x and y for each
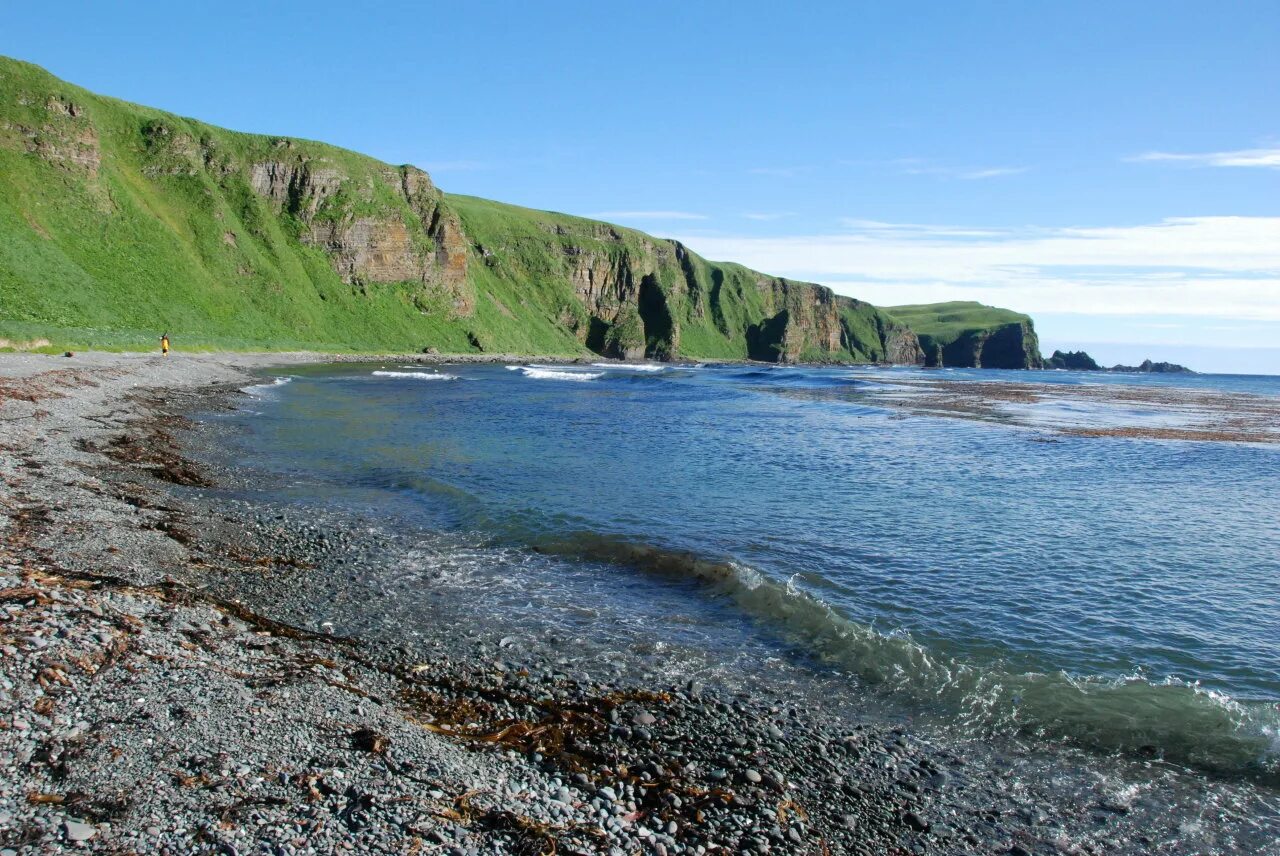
(1009, 346)
(629, 312)
(902, 347)
(68, 139)
(298, 188)
(1013, 346)
(420, 243)
(802, 318)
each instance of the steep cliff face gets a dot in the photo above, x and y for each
(1009, 346)
(117, 221)
(369, 240)
(633, 295)
(965, 334)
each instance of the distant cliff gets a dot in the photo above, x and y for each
(631, 295)
(967, 334)
(118, 222)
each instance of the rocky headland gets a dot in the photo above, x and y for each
(128, 221)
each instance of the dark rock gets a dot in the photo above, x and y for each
(368, 740)
(1149, 367)
(1072, 361)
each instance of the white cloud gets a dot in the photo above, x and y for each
(1265, 158)
(918, 166)
(779, 171)
(991, 172)
(1227, 267)
(919, 229)
(767, 216)
(647, 215)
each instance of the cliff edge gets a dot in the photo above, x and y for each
(119, 222)
(967, 334)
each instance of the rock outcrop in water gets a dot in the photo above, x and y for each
(1081, 361)
(1073, 361)
(1149, 367)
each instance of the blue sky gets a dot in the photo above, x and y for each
(1112, 168)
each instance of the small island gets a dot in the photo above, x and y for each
(1080, 361)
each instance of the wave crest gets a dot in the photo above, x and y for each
(1180, 722)
(549, 373)
(632, 367)
(416, 375)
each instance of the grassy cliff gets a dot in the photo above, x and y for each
(970, 334)
(119, 222)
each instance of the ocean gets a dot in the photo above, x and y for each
(989, 572)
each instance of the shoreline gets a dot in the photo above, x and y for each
(158, 696)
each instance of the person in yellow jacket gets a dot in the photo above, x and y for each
(164, 344)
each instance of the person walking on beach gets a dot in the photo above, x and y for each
(164, 344)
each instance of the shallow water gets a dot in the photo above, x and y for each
(1118, 594)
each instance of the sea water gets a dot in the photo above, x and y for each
(1120, 595)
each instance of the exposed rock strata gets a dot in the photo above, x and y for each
(414, 239)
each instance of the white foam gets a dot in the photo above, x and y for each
(417, 375)
(631, 367)
(548, 373)
(258, 389)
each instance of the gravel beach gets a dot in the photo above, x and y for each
(162, 690)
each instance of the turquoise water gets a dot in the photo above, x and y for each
(1119, 594)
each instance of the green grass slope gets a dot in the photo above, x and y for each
(119, 222)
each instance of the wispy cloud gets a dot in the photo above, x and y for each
(918, 230)
(1258, 158)
(647, 215)
(1228, 267)
(990, 172)
(912, 166)
(768, 216)
(779, 171)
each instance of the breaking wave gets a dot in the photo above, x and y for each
(549, 373)
(417, 375)
(1178, 721)
(258, 389)
(632, 367)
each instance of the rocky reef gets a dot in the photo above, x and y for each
(1082, 362)
(1072, 361)
(1149, 367)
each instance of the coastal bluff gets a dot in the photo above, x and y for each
(118, 221)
